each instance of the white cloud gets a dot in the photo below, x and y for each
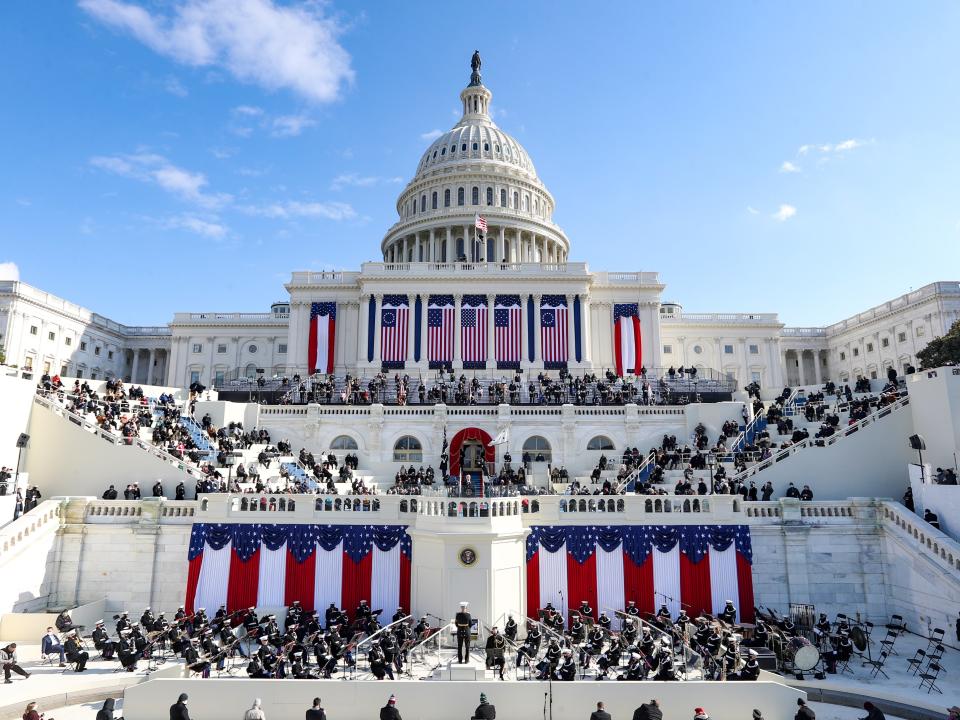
(752, 210)
(156, 169)
(290, 125)
(222, 153)
(828, 148)
(789, 167)
(431, 135)
(355, 180)
(24, 202)
(256, 41)
(289, 209)
(173, 86)
(248, 110)
(9, 271)
(198, 226)
(784, 213)
(851, 144)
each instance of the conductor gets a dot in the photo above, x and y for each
(463, 621)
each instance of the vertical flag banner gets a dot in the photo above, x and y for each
(626, 339)
(320, 347)
(440, 317)
(473, 332)
(507, 313)
(394, 324)
(698, 567)
(553, 331)
(244, 565)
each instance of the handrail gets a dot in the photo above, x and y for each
(811, 442)
(369, 638)
(634, 474)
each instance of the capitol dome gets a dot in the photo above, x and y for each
(475, 170)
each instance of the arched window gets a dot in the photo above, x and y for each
(460, 196)
(408, 450)
(423, 203)
(433, 201)
(453, 148)
(414, 206)
(489, 196)
(486, 147)
(475, 195)
(503, 198)
(539, 449)
(516, 201)
(251, 371)
(343, 442)
(600, 442)
(446, 197)
(475, 146)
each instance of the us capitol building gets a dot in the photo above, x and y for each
(436, 262)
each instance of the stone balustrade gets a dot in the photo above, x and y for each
(46, 516)
(921, 537)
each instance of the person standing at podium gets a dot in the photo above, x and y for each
(463, 622)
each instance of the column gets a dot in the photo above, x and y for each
(537, 350)
(209, 382)
(457, 362)
(744, 360)
(524, 322)
(376, 328)
(424, 360)
(586, 332)
(816, 367)
(150, 367)
(447, 245)
(502, 246)
(403, 258)
(572, 332)
(363, 324)
(491, 346)
(411, 327)
(433, 248)
(468, 252)
(135, 366)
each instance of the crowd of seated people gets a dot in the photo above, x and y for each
(412, 480)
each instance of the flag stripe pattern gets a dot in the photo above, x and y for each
(323, 324)
(394, 325)
(553, 331)
(473, 332)
(440, 322)
(626, 339)
(507, 312)
(244, 565)
(698, 567)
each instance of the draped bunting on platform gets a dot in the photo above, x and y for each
(473, 332)
(322, 340)
(626, 339)
(252, 564)
(698, 566)
(553, 331)
(394, 323)
(440, 327)
(507, 312)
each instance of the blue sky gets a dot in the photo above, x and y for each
(799, 158)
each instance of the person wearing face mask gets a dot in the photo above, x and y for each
(51, 645)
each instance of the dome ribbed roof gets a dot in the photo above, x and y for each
(475, 138)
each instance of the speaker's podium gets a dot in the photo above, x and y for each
(472, 669)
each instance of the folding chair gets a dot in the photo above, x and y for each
(888, 642)
(896, 624)
(928, 679)
(914, 663)
(936, 638)
(877, 665)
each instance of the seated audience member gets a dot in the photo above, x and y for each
(51, 645)
(8, 658)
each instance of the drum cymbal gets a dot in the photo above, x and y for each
(858, 638)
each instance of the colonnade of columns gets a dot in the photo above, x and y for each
(451, 243)
(491, 359)
(810, 366)
(154, 362)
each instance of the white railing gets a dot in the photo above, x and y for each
(473, 268)
(219, 316)
(923, 537)
(803, 332)
(811, 442)
(727, 318)
(24, 528)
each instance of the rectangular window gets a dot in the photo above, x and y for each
(83, 345)
(63, 369)
(282, 348)
(79, 373)
(901, 337)
(856, 352)
(197, 347)
(109, 354)
(843, 356)
(728, 349)
(221, 349)
(869, 347)
(96, 350)
(28, 363)
(885, 342)
(667, 349)
(754, 349)
(920, 331)
(33, 329)
(194, 376)
(218, 378)
(68, 341)
(873, 374)
(51, 336)
(755, 377)
(46, 368)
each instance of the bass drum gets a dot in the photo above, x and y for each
(801, 654)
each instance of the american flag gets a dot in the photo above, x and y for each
(440, 317)
(553, 331)
(473, 331)
(394, 320)
(507, 312)
(480, 223)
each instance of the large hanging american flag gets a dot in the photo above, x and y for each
(440, 322)
(394, 323)
(320, 346)
(473, 332)
(553, 331)
(507, 312)
(698, 566)
(626, 339)
(245, 565)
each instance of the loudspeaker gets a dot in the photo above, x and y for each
(917, 442)
(23, 440)
(765, 657)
